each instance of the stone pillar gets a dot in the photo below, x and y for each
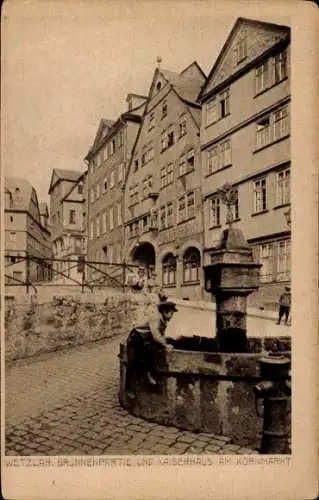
(231, 277)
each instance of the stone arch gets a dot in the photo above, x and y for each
(143, 254)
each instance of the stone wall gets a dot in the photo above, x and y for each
(33, 326)
(203, 391)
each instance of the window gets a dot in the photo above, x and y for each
(270, 72)
(97, 191)
(224, 104)
(280, 67)
(190, 197)
(91, 230)
(219, 157)
(135, 165)
(147, 185)
(182, 127)
(241, 50)
(191, 265)
(112, 179)
(190, 159)
(169, 212)
(169, 270)
(98, 227)
(104, 189)
(72, 216)
(186, 206)
(181, 209)
(283, 187)
(260, 196)
(158, 86)
(170, 173)
(212, 160)
(80, 188)
(167, 175)
(214, 213)
(119, 213)
(283, 261)
(147, 155)
(235, 208)
(104, 222)
(112, 147)
(170, 136)
(164, 140)
(92, 195)
(281, 125)
(211, 112)
(151, 121)
(263, 132)
(224, 154)
(164, 109)
(133, 195)
(111, 218)
(182, 165)
(120, 139)
(262, 77)
(266, 259)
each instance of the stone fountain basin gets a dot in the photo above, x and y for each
(202, 390)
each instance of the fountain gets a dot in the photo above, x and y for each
(208, 384)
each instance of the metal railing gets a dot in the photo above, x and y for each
(79, 272)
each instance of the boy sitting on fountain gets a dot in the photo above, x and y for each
(143, 343)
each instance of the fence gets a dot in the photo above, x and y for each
(38, 271)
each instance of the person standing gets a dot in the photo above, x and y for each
(284, 305)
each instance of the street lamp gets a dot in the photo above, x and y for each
(288, 217)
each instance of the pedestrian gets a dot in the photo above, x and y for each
(284, 305)
(144, 342)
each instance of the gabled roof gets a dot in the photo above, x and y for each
(103, 129)
(242, 22)
(20, 192)
(134, 115)
(59, 174)
(186, 85)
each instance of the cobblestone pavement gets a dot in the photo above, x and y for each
(66, 403)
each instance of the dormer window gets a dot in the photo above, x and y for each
(80, 188)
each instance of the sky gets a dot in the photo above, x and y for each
(67, 64)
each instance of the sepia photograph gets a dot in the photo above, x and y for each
(147, 235)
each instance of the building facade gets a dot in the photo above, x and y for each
(163, 216)
(68, 225)
(245, 140)
(108, 161)
(27, 234)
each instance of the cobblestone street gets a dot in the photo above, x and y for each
(66, 403)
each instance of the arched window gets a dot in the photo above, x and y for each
(191, 265)
(169, 270)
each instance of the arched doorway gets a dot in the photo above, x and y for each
(144, 255)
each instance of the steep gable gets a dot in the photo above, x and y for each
(103, 129)
(247, 41)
